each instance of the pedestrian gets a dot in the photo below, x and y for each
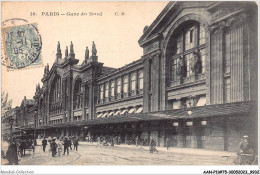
(70, 142)
(66, 145)
(59, 148)
(151, 145)
(112, 141)
(91, 139)
(53, 147)
(22, 147)
(76, 143)
(136, 141)
(98, 140)
(44, 143)
(11, 153)
(168, 143)
(119, 140)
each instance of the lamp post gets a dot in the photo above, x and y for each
(11, 122)
(34, 133)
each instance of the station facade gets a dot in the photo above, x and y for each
(196, 83)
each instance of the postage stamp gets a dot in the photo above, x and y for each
(22, 44)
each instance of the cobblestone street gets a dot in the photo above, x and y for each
(91, 154)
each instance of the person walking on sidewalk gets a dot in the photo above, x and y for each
(59, 147)
(76, 143)
(53, 147)
(151, 145)
(66, 145)
(44, 143)
(11, 153)
(70, 142)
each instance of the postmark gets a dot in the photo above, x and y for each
(22, 44)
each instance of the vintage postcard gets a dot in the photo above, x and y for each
(130, 83)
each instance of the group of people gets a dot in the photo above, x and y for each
(59, 144)
(107, 141)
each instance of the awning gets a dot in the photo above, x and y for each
(111, 113)
(104, 115)
(139, 110)
(131, 110)
(117, 112)
(219, 110)
(99, 115)
(123, 112)
(56, 117)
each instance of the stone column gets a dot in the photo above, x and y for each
(146, 99)
(70, 94)
(63, 99)
(216, 65)
(83, 86)
(156, 81)
(92, 96)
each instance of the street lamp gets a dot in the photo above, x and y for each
(11, 122)
(34, 133)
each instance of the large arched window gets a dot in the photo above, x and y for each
(77, 95)
(187, 50)
(133, 82)
(140, 80)
(118, 86)
(55, 96)
(125, 85)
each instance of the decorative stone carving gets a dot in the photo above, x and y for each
(228, 22)
(145, 28)
(220, 13)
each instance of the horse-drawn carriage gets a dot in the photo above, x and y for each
(25, 143)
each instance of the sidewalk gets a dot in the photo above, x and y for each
(189, 151)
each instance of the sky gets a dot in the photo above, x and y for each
(116, 37)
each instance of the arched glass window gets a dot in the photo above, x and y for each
(101, 90)
(188, 48)
(106, 90)
(112, 89)
(77, 95)
(125, 86)
(118, 86)
(140, 80)
(133, 82)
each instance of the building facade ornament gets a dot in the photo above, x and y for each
(86, 53)
(231, 22)
(94, 50)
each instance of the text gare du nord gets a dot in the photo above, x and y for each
(72, 14)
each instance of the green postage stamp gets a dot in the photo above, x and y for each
(22, 45)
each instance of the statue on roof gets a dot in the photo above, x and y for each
(86, 53)
(66, 52)
(47, 68)
(71, 48)
(94, 50)
(58, 47)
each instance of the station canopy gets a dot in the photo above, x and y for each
(218, 110)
